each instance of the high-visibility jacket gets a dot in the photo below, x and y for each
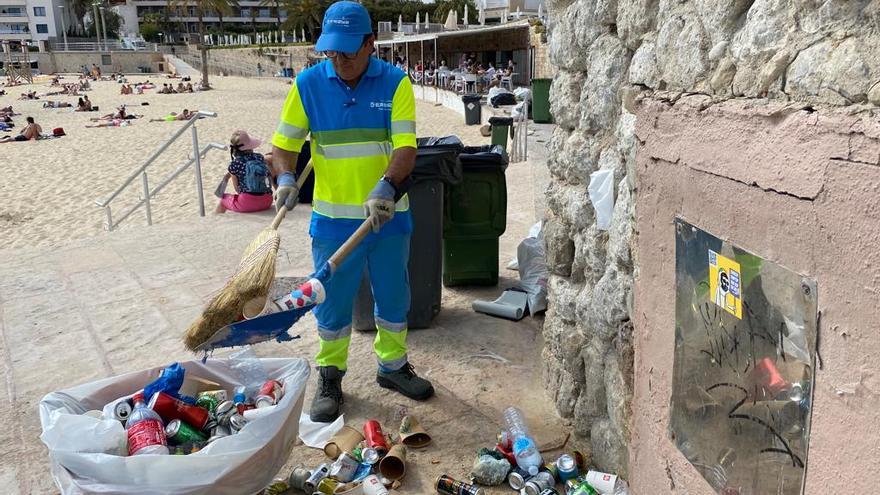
(353, 133)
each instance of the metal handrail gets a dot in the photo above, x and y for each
(142, 172)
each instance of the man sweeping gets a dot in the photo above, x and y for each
(360, 112)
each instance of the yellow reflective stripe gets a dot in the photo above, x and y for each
(403, 127)
(334, 210)
(333, 352)
(357, 150)
(288, 135)
(291, 131)
(390, 347)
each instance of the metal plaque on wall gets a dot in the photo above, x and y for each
(745, 347)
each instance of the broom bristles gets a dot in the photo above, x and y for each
(253, 278)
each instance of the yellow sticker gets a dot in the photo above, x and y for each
(724, 283)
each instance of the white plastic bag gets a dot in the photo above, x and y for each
(533, 272)
(601, 191)
(242, 463)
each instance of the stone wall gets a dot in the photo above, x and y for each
(816, 52)
(127, 62)
(250, 61)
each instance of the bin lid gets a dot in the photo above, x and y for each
(487, 156)
(469, 98)
(501, 121)
(437, 159)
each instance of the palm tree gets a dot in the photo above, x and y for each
(202, 7)
(233, 4)
(306, 14)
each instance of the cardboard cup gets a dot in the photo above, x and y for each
(393, 465)
(345, 440)
(412, 434)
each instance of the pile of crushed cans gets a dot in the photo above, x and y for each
(364, 461)
(187, 424)
(367, 461)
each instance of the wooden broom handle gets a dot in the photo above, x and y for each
(350, 244)
(299, 184)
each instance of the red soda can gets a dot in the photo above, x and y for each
(374, 436)
(508, 454)
(272, 388)
(170, 409)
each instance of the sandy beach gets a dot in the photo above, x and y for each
(51, 186)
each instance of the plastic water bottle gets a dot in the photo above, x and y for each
(146, 432)
(524, 449)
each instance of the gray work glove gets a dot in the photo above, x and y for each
(380, 206)
(287, 193)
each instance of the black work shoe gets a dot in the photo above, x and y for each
(406, 382)
(328, 395)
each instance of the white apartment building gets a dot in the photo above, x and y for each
(183, 20)
(29, 20)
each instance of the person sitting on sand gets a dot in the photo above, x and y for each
(84, 104)
(181, 88)
(250, 177)
(31, 131)
(189, 87)
(56, 104)
(30, 95)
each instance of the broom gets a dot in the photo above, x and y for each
(252, 279)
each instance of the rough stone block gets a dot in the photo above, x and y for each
(635, 18)
(683, 52)
(558, 246)
(561, 297)
(565, 95)
(643, 68)
(610, 453)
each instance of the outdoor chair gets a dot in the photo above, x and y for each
(470, 80)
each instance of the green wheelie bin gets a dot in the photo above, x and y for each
(475, 216)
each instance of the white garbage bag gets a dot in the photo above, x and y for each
(83, 449)
(601, 191)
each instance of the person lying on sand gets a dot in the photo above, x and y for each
(56, 104)
(118, 114)
(30, 95)
(31, 131)
(111, 123)
(171, 117)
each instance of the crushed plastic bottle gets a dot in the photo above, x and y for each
(524, 449)
(145, 430)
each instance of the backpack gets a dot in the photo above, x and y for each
(256, 176)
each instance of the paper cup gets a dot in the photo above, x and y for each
(393, 465)
(412, 434)
(372, 486)
(602, 482)
(345, 440)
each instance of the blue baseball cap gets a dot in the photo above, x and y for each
(344, 27)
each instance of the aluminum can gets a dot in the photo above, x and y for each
(219, 432)
(179, 432)
(208, 402)
(578, 487)
(508, 454)
(566, 467)
(370, 455)
(298, 477)
(220, 395)
(505, 440)
(517, 478)
(551, 468)
(122, 410)
(311, 483)
(272, 388)
(372, 486)
(327, 486)
(224, 408)
(549, 491)
(170, 408)
(237, 422)
(539, 483)
(375, 438)
(451, 486)
(264, 401)
(344, 468)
